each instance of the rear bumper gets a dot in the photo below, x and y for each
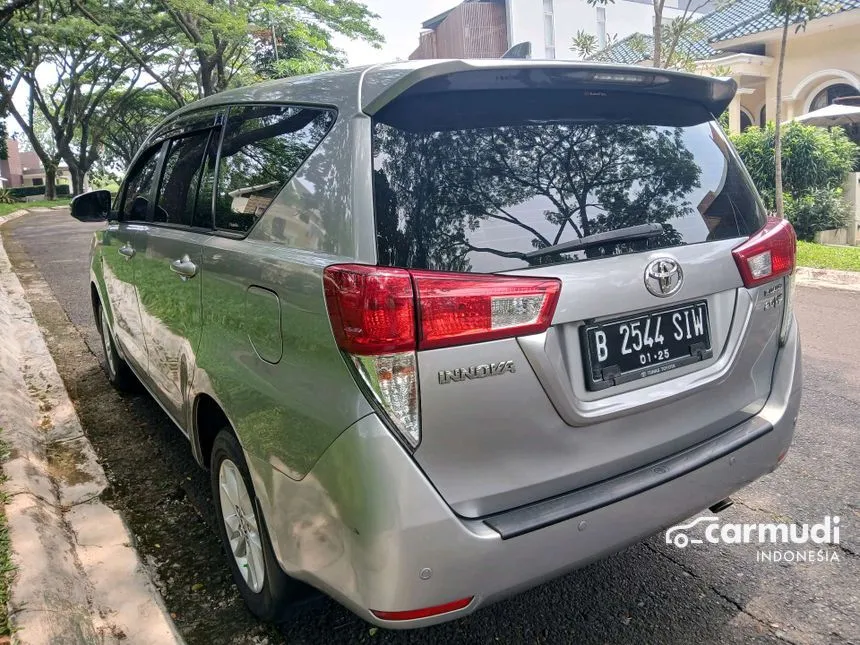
(366, 526)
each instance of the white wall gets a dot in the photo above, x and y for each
(624, 17)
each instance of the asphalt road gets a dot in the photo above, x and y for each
(651, 592)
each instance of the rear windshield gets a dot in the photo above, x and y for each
(474, 182)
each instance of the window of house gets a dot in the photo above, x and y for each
(829, 94)
(263, 147)
(746, 120)
(138, 186)
(38, 181)
(549, 29)
(762, 116)
(178, 191)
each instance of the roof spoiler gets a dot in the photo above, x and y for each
(420, 77)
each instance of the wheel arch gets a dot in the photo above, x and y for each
(96, 300)
(207, 419)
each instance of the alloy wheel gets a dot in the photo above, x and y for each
(240, 522)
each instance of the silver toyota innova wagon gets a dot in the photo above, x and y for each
(443, 330)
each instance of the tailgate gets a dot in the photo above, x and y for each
(654, 345)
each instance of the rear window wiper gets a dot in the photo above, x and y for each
(626, 234)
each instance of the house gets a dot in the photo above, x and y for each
(742, 39)
(487, 28)
(23, 168)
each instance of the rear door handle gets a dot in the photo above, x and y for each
(184, 267)
(126, 251)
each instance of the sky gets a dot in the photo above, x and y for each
(400, 22)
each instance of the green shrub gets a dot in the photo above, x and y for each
(813, 158)
(814, 164)
(818, 210)
(31, 191)
(6, 196)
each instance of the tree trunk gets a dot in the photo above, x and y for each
(77, 180)
(658, 33)
(50, 182)
(777, 140)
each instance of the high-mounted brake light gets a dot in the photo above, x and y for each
(768, 254)
(381, 316)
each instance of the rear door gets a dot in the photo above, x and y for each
(170, 259)
(655, 344)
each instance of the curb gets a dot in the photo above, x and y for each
(828, 278)
(78, 578)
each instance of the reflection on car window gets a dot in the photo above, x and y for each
(180, 179)
(263, 147)
(138, 189)
(480, 199)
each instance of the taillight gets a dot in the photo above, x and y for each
(372, 310)
(381, 316)
(768, 254)
(462, 308)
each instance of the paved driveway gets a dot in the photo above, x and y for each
(649, 593)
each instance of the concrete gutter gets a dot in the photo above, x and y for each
(78, 577)
(828, 278)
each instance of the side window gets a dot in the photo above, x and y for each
(180, 180)
(263, 147)
(138, 187)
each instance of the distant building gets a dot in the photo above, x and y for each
(487, 28)
(472, 29)
(742, 39)
(23, 168)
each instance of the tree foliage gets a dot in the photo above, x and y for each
(813, 157)
(116, 67)
(815, 162)
(195, 48)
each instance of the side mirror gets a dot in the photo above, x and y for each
(94, 205)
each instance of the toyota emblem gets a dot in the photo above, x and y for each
(663, 277)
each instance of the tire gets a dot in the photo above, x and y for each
(118, 372)
(266, 589)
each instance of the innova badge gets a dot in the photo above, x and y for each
(663, 277)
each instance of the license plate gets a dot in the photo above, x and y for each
(628, 349)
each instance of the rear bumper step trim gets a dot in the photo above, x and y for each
(541, 514)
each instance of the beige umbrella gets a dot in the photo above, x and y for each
(835, 114)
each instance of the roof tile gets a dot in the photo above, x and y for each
(740, 18)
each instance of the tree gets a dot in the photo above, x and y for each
(62, 119)
(797, 12)
(9, 9)
(669, 41)
(217, 43)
